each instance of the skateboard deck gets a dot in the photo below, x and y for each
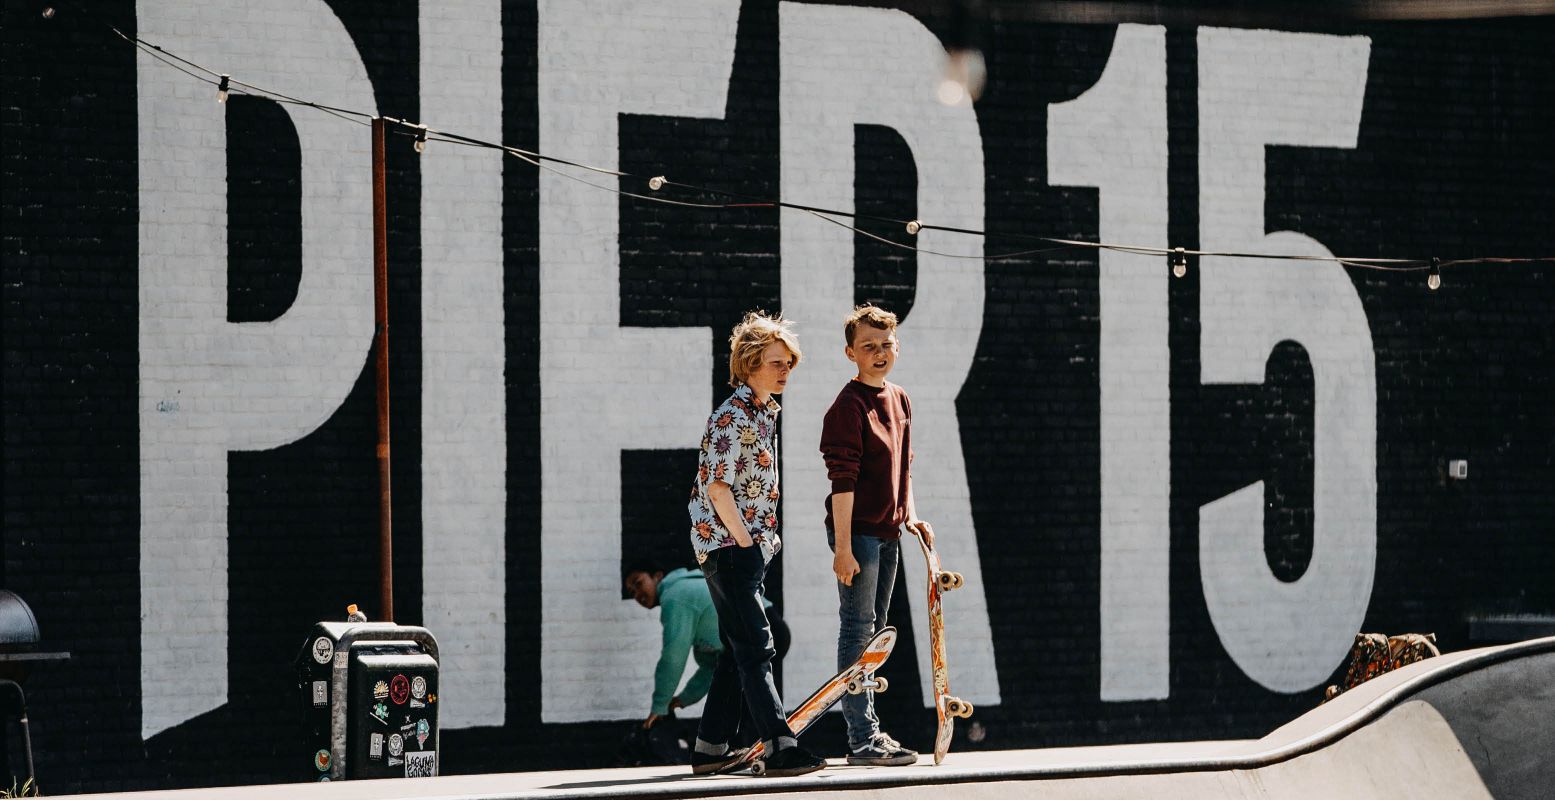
(946, 706)
(858, 677)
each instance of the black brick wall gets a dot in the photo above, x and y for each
(1454, 160)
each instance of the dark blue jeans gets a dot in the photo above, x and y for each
(861, 612)
(743, 675)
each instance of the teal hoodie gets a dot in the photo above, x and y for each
(690, 626)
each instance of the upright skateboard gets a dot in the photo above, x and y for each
(856, 679)
(946, 707)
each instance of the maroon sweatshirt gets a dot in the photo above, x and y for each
(867, 443)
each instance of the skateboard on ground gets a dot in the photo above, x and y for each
(857, 678)
(946, 707)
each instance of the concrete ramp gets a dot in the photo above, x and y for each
(1471, 724)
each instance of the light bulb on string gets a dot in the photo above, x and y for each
(421, 138)
(1179, 262)
(656, 182)
(221, 88)
(913, 227)
(1433, 280)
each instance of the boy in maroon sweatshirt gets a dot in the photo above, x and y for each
(866, 441)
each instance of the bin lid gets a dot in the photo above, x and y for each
(18, 627)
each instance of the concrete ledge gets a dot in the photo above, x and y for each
(1377, 739)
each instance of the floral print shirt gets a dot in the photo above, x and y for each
(739, 448)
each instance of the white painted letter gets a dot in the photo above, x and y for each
(208, 386)
(1113, 137)
(463, 399)
(605, 388)
(1258, 88)
(843, 67)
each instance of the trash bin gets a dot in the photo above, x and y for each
(369, 694)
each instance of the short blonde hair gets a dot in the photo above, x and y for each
(752, 336)
(868, 314)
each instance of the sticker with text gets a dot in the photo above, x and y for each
(421, 765)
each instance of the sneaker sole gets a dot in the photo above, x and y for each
(734, 764)
(792, 772)
(889, 761)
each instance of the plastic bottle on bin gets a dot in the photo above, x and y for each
(354, 614)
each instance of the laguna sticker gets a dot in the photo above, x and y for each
(323, 649)
(321, 760)
(421, 765)
(399, 689)
(320, 693)
(418, 687)
(380, 690)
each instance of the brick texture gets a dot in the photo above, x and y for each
(1452, 159)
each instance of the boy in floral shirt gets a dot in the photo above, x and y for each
(734, 534)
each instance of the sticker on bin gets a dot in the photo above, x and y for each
(396, 745)
(399, 689)
(418, 687)
(380, 690)
(375, 746)
(380, 712)
(423, 730)
(323, 649)
(320, 693)
(421, 765)
(321, 760)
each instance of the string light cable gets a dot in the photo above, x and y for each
(421, 134)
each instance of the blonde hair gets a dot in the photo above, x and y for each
(752, 336)
(868, 314)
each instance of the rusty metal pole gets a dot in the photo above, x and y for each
(381, 318)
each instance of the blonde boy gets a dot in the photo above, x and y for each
(734, 534)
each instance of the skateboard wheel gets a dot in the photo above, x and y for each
(959, 581)
(758, 767)
(855, 686)
(881, 684)
(947, 581)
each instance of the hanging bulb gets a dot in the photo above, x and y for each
(48, 12)
(1179, 262)
(421, 138)
(913, 227)
(656, 182)
(221, 88)
(965, 74)
(1434, 280)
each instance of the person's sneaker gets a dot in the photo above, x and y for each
(791, 761)
(704, 764)
(882, 751)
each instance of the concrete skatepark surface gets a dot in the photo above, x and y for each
(1469, 724)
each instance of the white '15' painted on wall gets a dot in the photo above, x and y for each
(1256, 88)
(209, 387)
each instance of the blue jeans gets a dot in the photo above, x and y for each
(743, 675)
(862, 614)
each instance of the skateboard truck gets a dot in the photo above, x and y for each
(864, 683)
